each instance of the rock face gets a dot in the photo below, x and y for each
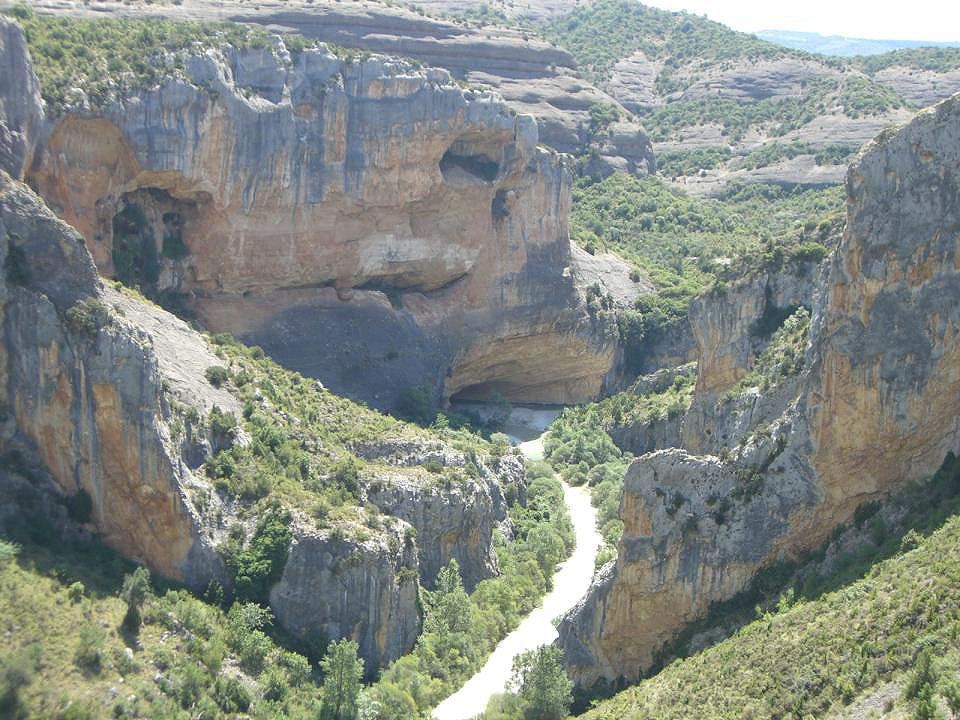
(333, 587)
(89, 381)
(366, 222)
(533, 76)
(876, 408)
(457, 522)
(84, 387)
(730, 327)
(21, 112)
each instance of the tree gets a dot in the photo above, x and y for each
(342, 671)
(136, 588)
(544, 689)
(449, 608)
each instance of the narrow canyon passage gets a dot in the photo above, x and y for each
(570, 583)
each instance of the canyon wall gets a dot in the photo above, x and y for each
(533, 76)
(875, 409)
(367, 222)
(104, 400)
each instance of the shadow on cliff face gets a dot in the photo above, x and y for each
(368, 352)
(468, 169)
(148, 245)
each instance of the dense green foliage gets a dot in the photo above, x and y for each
(604, 31)
(65, 607)
(773, 152)
(540, 688)
(460, 630)
(890, 597)
(258, 565)
(685, 244)
(342, 672)
(676, 163)
(934, 59)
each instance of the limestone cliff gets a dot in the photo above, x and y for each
(875, 409)
(20, 106)
(367, 222)
(452, 523)
(99, 386)
(84, 386)
(334, 587)
(533, 76)
(730, 326)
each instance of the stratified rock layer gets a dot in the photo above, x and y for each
(367, 222)
(876, 408)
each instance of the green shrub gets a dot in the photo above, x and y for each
(230, 695)
(8, 553)
(221, 423)
(545, 692)
(343, 672)
(87, 654)
(86, 317)
(258, 566)
(136, 589)
(245, 636)
(217, 375)
(416, 405)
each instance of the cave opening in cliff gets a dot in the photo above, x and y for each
(149, 246)
(459, 166)
(492, 391)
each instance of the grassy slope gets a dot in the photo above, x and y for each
(59, 604)
(809, 658)
(305, 440)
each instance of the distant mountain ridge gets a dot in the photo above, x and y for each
(842, 46)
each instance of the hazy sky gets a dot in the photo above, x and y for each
(879, 20)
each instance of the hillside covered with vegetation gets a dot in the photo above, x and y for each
(867, 629)
(92, 636)
(699, 75)
(687, 245)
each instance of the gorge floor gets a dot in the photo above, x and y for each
(570, 583)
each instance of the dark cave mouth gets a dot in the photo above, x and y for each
(464, 167)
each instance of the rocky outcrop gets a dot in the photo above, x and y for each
(98, 386)
(730, 327)
(367, 222)
(21, 111)
(533, 76)
(334, 587)
(453, 521)
(919, 87)
(85, 388)
(639, 437)
(876, 409)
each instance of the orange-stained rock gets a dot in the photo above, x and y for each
(876, 408)
(428, 208)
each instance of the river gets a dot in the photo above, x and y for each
(570, 583)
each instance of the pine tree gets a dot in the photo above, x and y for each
(544, 689)
(343, 672)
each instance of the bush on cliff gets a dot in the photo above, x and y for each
(258, 565)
